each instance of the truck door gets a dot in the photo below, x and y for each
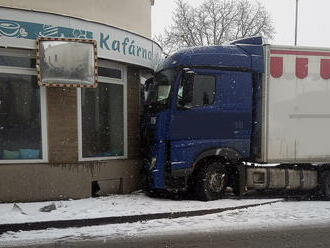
(214, 110)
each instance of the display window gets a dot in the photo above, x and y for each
(22, 109)
(102, 115)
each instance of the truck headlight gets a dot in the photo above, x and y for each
(153, 163)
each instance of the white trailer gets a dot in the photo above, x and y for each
(296, 105)
(295, 120)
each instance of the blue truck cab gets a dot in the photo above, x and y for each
(200, 114)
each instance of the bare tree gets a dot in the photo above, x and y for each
(215, 22)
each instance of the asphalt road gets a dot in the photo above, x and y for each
(297, 237)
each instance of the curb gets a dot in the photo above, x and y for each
(117, 219)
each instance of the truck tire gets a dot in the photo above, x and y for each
(211, 181)
(325, 184)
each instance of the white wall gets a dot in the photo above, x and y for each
(131, 15)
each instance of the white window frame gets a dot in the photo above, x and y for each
(123, 82)
(43, 104)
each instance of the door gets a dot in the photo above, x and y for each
(217, 113)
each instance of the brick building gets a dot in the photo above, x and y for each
(57, 142)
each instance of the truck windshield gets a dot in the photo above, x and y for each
(159, 90)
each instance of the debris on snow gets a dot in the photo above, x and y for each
(48, 208)
(18, 209)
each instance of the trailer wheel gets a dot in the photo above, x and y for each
(325, 184)
(211, 182)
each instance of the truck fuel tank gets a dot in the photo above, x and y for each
(281, 178)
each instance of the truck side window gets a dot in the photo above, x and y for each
(203, 92)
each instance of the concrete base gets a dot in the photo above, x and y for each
(42, 182)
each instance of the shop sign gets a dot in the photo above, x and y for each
(21, 28)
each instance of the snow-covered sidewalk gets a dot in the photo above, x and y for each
(275, 215)
(114, 205)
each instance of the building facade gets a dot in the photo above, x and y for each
(60, 143)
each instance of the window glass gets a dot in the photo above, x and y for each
(109, 72)
(17, 61)
(20, 119)
(102, 121)
(202, 92)
(159, 90)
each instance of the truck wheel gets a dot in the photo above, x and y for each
(211, 182)
(325, 184)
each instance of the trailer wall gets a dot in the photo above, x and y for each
(296, 105)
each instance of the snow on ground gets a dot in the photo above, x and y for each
(276, 215)
(266, 217)
(114, 205)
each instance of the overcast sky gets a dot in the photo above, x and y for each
(313, 26)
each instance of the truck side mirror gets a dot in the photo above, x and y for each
(188, 87)
(148, 83)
